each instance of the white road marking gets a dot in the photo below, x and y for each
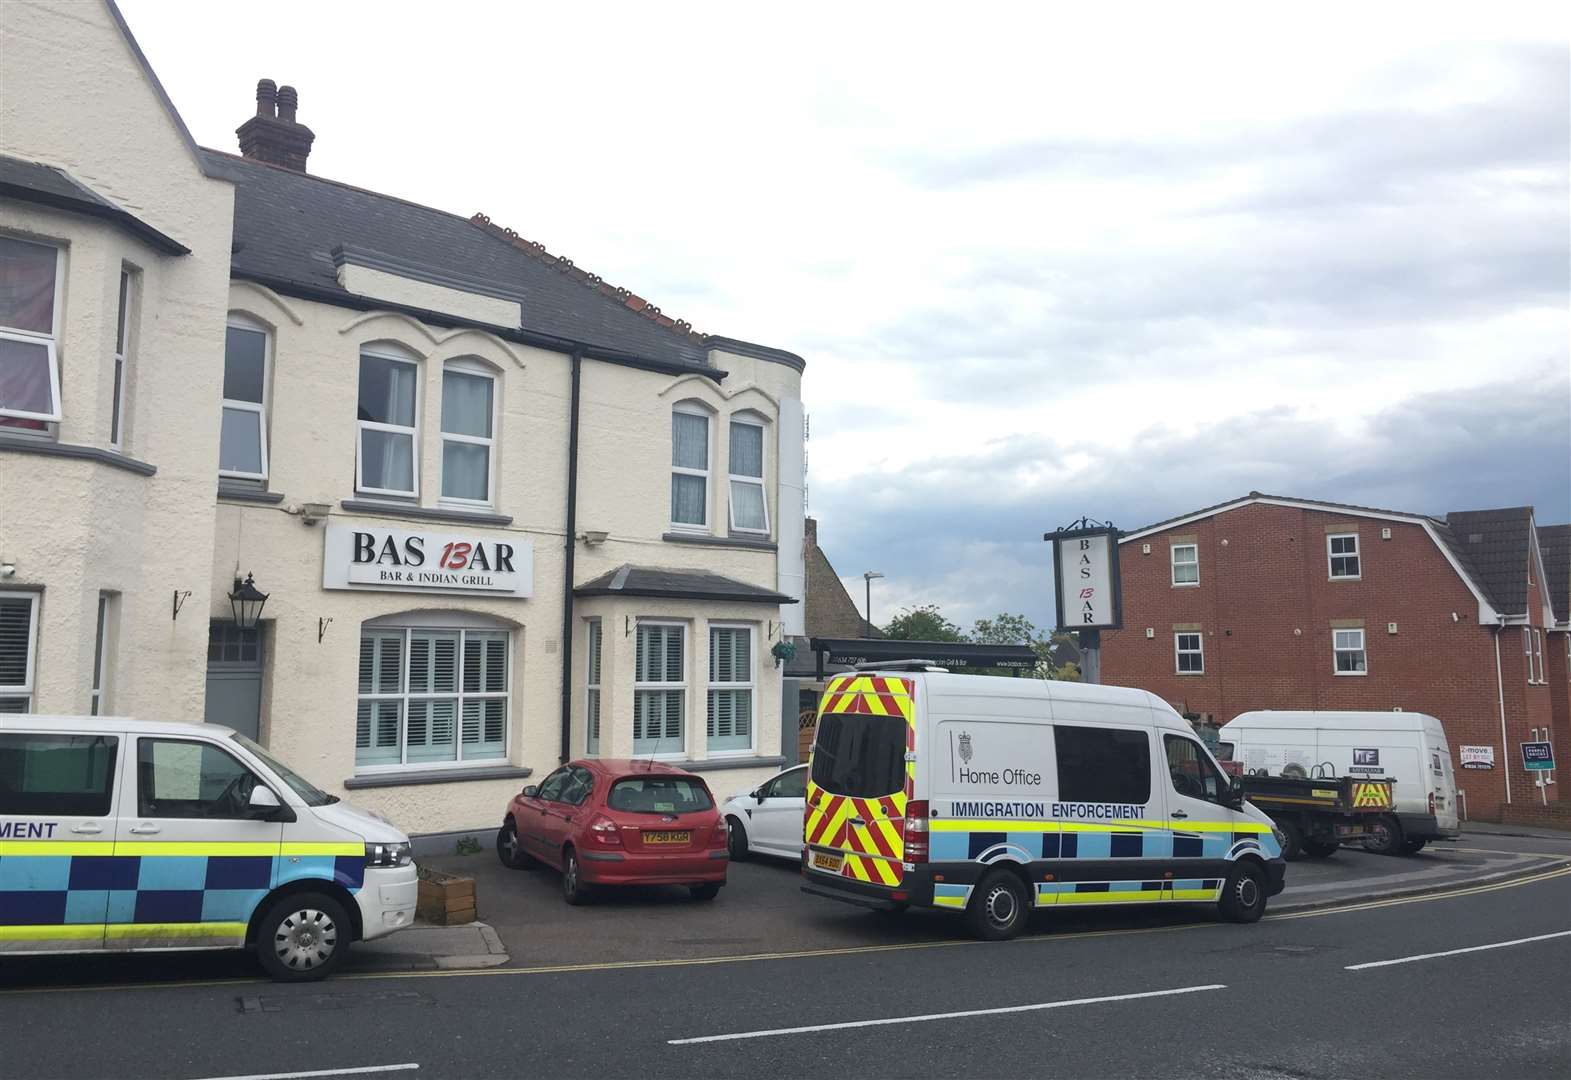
(359, 1070)
(1456, 952)
(942, 1016)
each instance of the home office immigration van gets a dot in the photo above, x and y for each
(128, 835)
(989, 796)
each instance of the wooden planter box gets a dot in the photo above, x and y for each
(446, 899)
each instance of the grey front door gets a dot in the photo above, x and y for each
(234, 678)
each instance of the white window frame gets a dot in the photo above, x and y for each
(751, 686)
(594, 656)
(1527, 653)
(1356, 553)
(694, 409)
(687, 667)
(758, 481)
(240, 322)
(1538, 653)
(130, 281)
(1362, 650)
(476, 368)
(104, 642)
(50, 342)
(1175, 562)
(403, 694)
(24, 690)
(396, 356)
(1179, 651)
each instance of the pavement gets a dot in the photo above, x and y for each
(1460, 984)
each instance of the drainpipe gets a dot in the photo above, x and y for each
(1500, 688)
(569, 549)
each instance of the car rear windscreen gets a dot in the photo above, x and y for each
(659, 795)
(858, 755)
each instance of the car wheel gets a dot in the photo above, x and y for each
(1292, 839)
(302, 937)
(736, 839)
(707, 891)
(510, 849)
(998, 907)
(1413, 847)
(574, 891)
(1384, 836)
(1320, 849)
(1244, 893)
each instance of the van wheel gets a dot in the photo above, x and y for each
(509, 849)
(1384, 836)
(1292, 839)
(1413, 847)
(1243, 893)
(998, 910)
(735, 839)
(302, 937)
(574, 891)
(1320, 849)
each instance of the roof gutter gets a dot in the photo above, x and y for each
(567, 560)
(582, 349)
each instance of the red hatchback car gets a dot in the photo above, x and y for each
(605, 821)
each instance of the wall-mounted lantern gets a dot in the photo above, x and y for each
(247, 601)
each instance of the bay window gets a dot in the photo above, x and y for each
(659, 688)
(592, 688)
(122, 355)
(387, 462)
(30, 276)
(749, 508)
(730, 725)
(468, 432)
(689, 468)
(242, 437)
(18, 635)
(432, 696)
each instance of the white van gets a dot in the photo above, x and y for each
(1406, 747)
(127, 835)
(990, 796)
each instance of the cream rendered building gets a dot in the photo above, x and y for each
(504, 513)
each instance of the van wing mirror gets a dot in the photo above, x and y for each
(263, 804)
(1235, 793)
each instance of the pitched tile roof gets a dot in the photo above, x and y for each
(287, 223)
(1554, 541)
(1496, 543)
(629, 580)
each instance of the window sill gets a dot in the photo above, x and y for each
(710, 540)
(713, 764)
(1350, 674)
(438, 776)
(49, 448)
(1189, 673)
(238, 491)
(1186, 584)
(423, 513)
(1345, 577)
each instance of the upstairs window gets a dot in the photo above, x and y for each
(386, 463)
(242, 439)
(18, 632)
(1189, 653)
(29, 316)
(689, 469)
(468, 433)
(1186, 564)
(1348, 648)
(749, 507)
(1342, 552)
(128, 281)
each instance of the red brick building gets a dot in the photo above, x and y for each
(1269, 602)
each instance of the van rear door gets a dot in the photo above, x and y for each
(854, 820)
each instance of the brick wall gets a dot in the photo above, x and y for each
(1266, 609)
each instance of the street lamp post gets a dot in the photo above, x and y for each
(867, 579)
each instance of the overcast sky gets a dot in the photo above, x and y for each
(1042, 262)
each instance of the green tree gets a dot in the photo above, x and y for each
(923, 623)
(1010, 629)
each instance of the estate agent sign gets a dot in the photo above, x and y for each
(400, 560)
(1538, 756)
(1478, 757)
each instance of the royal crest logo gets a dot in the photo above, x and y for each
(965, 747)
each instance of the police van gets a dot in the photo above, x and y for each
(123, 835)
(991, 796)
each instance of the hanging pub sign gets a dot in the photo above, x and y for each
(401, 560)
(1085, 565)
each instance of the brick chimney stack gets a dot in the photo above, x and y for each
(273, 135)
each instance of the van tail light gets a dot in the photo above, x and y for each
(916, 831)
(603, 832)
(722, 834)
(1431, 802)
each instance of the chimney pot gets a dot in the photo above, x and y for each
(266, 97)
(288, 101)
(274, 135)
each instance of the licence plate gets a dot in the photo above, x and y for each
(825, 861)
(668, 838)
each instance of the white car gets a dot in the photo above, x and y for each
(768, 819)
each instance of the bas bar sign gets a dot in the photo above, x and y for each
(397, 560)
(1085, 562)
